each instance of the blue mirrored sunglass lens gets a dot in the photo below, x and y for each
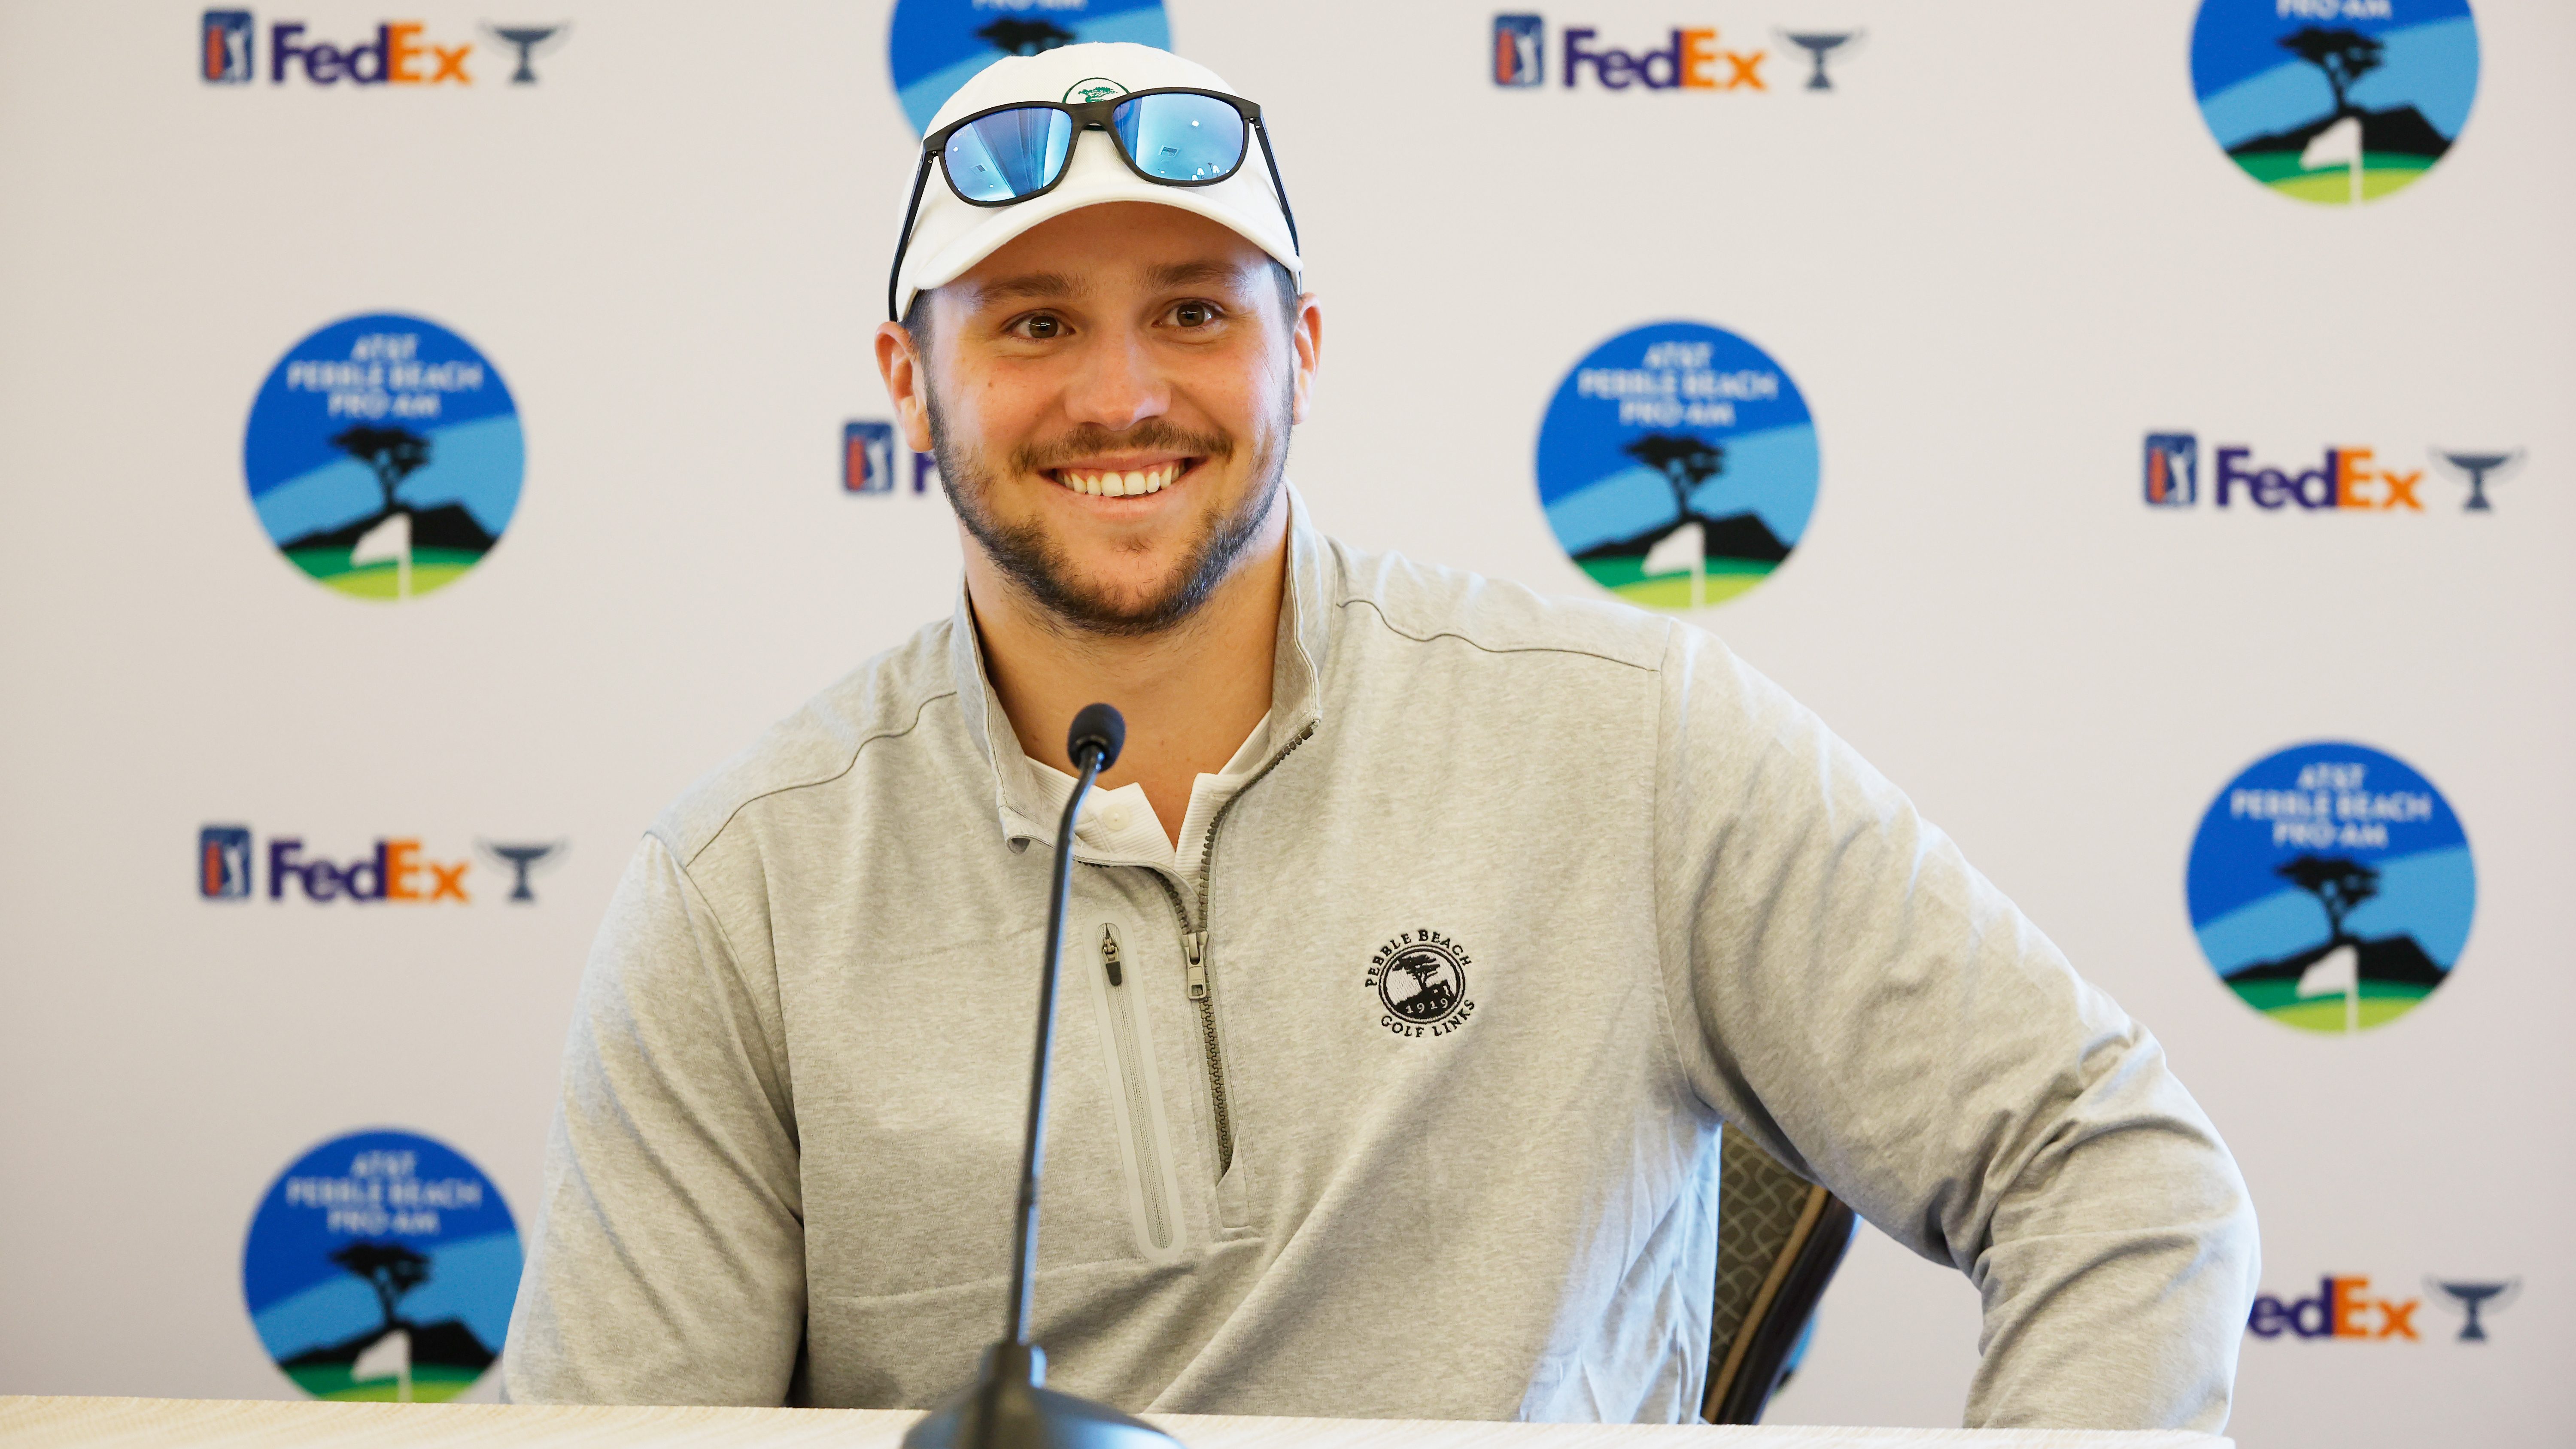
(1008, 154)
(1181, 137)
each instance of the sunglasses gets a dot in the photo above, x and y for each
(1175, 136)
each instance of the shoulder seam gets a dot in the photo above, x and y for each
(1391, 626)
(853, 763)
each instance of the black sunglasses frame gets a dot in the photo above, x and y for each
(1087, 116)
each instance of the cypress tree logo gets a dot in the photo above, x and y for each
(2335, 101)
(1677, 464)
(2331, 887)
(384, 456)
(382, 1265)
(1419, 978)
(935, 46)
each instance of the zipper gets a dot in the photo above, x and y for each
(1131, 1076)
(1194, 947)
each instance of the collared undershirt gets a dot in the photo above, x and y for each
(1122, 822)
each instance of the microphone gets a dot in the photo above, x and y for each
(1008, 1405)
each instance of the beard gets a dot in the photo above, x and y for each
(1038, 564)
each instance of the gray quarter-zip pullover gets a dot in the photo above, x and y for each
(1408, 1109)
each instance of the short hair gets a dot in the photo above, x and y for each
(916, 317)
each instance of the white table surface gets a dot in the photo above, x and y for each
(39, 1423)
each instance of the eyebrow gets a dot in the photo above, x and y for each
(1030, 285)
(1062, 286)
(1192, 274)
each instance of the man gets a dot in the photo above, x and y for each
(1425, 934)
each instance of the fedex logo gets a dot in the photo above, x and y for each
(2342, 1308)
(2344, 478)
(397, 869)
(2348, 478)
(1690, 60)
(395, 53)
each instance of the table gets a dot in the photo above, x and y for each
(41, 1423)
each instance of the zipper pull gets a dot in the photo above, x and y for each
(1109, 955)
(1196, 944)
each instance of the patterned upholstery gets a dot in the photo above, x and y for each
(1779, 1240)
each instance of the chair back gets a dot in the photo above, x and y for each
(1779, 1240)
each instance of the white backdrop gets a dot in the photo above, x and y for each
(1997, 254)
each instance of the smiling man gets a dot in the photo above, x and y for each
(1427, 931)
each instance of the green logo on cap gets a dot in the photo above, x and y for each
(1097, 88)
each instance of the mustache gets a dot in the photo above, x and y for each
(1150, 436)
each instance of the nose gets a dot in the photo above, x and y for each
(1119, 383)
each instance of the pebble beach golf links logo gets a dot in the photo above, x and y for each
(1677, 464)
(382, 1265)
(384, 456)
(2335, 101)
(935, 46)
(2331, 887)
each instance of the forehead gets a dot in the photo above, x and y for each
(1117, 248)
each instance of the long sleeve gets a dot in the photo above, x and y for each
(1848, 990)
(668, 1257)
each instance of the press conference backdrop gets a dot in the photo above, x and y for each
(433, 436)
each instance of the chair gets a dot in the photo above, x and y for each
(1779, 1240)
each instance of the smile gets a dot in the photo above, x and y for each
(1109, 483)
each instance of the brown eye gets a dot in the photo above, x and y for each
(1194, 314)
(1042, 327)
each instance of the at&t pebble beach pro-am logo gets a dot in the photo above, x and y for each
(2331, 887)
(2335, 101)
(933, 46)
(382, 1265)
(1420, 981)
(384, 456)
(1677, 464)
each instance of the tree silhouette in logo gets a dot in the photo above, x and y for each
(2344, 55)
(395, 454)
(1435, 985)
(2337, 883)
(1013, 36)
(390, 1268)
(1686, 462)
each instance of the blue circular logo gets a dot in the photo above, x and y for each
(2335, 101)
(384, 456)
(2331, 887)
(1677, 464)
(936, 46)
(382, 1265)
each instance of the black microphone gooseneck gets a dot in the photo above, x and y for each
(1098, 734)
(1008, 1405)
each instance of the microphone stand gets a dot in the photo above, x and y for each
(1008, 1406)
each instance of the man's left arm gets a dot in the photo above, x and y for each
(1848, 990)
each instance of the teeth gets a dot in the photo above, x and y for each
(1121, 485)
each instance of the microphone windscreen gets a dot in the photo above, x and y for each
(1098, 727)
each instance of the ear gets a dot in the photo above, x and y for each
(907, 383)
(1308, 339)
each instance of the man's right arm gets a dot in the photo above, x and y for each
(667, 1264)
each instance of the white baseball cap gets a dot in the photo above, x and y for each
(949, 237)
